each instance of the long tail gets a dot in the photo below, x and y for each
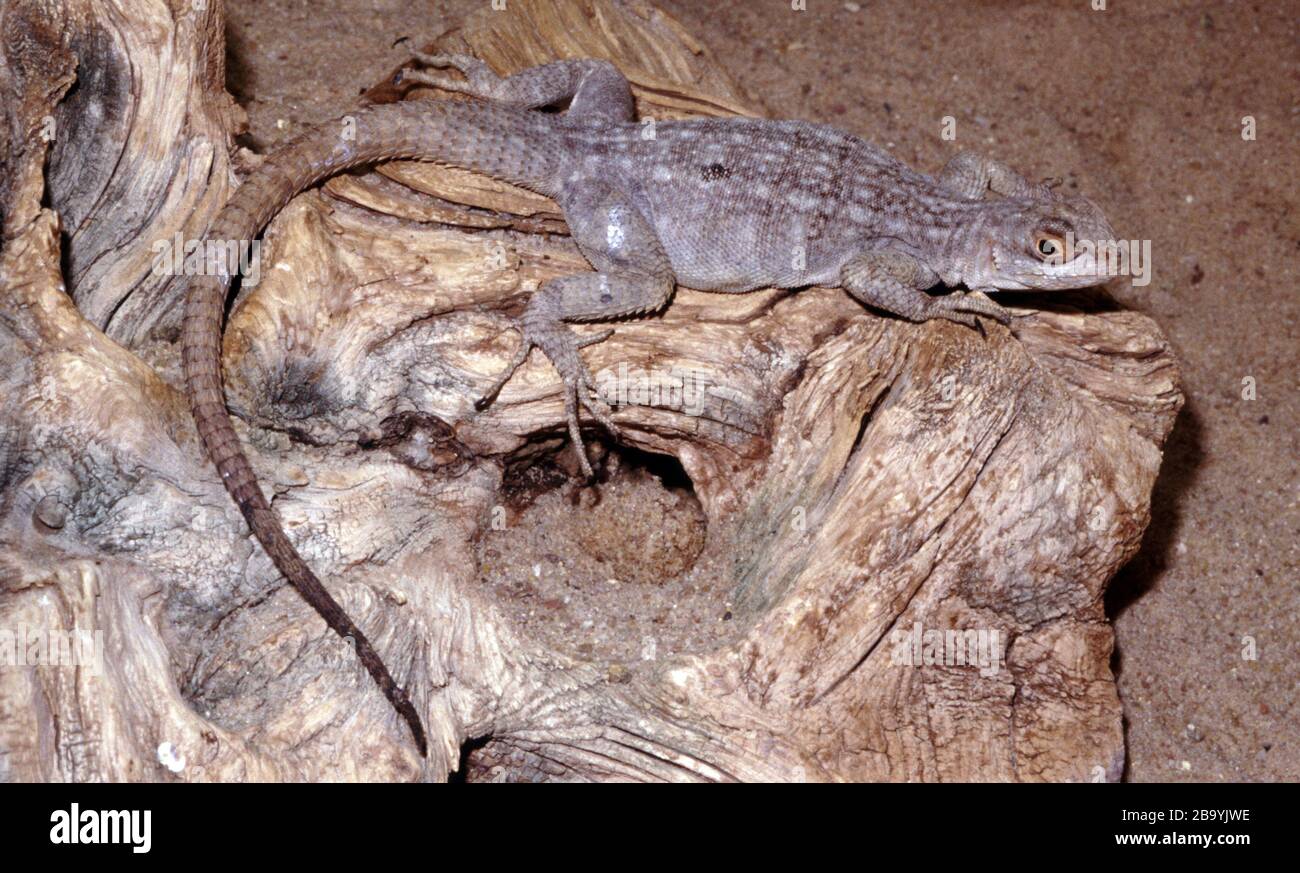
(511, 144)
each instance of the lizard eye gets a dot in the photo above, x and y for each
(1049, 246)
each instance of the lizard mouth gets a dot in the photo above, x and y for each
(1079, 272)
(1083, 271)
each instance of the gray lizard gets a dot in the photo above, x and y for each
(726, 205)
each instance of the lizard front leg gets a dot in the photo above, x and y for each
(970, 175)
(895, 282)
(634, 277)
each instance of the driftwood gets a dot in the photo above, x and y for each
(862, 492)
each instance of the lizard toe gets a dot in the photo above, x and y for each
(432, 59)
(575, 430)
(976, 303)
(521, 354)
(442, 60)
(436, 80)
(599, 409)
(967, 318)
(595, 338)
(560, 344)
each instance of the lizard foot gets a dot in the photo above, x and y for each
(479, 81)
(560, 345)
(964, 309)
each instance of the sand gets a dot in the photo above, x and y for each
(1139, 107)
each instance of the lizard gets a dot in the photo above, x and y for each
(726, 205)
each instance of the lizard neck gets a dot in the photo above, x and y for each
(958, 247)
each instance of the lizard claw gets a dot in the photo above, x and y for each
(963, 308)
(480, 80)
(560, 345)
(573, 397)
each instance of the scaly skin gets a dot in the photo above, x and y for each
(727, 205)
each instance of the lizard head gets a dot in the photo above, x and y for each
(1044, 244)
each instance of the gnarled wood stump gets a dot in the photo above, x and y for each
(885, 559)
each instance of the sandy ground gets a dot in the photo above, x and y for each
(1141, 105)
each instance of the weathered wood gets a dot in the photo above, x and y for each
(138, 148)
(864, 481)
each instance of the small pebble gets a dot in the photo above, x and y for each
(170, 757)
(51, 513)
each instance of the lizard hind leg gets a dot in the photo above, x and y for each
(580, 297)
(594, 88)
(634, 278)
